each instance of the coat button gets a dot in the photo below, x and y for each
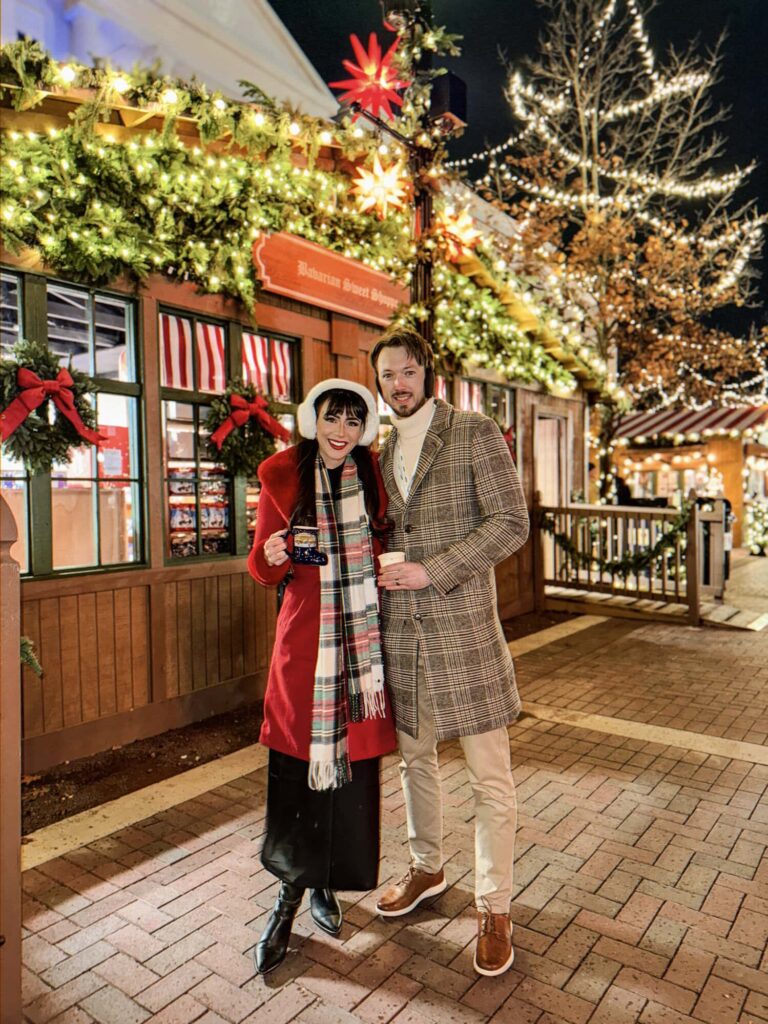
(417, 617)
(407, 528)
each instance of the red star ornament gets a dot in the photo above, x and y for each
(374, 83)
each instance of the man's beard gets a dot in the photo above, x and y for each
(410, 412)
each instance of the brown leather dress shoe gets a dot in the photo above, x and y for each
(409, 891)
(494, 953)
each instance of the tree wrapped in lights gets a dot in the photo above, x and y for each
(756, 527)
(611, 181)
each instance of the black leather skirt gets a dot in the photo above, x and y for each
(327, 839)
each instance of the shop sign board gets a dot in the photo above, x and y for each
(299, 269)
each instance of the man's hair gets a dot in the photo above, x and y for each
(416, 347)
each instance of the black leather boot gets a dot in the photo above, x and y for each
(325, 910)
(272, 946)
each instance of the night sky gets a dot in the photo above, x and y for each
(511, 28)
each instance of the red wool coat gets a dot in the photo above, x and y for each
(290, 687)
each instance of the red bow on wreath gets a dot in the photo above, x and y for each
(242, 411)
(34, 391)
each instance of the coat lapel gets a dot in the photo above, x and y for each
(386, 460)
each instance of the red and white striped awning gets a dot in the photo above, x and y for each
(690, 425)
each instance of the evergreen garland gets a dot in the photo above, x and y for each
(28, 657)
(39, 441)
(96, 208)
(246, 447)
(629, 565)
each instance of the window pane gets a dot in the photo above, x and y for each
(256, 361)
(198, 490)
(74, 523)
(472, 396)
(117, 422)
(502, 406)
(112, 333)
(118, 522)
(10, 312)
(211, 375)
(13, 487)
(69, 327)
(179, 430)
(214, 497)
(282, 377)
(288, 420)
(252, 491)
(175, 351)
(82, 465)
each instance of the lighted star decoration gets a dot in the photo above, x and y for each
(381, 188)
(457, 232)
(374, 83)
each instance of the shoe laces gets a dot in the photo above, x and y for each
(487, 915)
(408, 876)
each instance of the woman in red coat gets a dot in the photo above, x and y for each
(327, 719)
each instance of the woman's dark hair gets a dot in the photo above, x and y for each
(349, 402)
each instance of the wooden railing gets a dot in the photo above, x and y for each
(10, 776)
(618, 550)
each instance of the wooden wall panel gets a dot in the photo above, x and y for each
(105, 624)
(238, 626)
(180, 626)
(50, 659)
(69, 645)
(211, 631)
(89, 666)
(225, 627)
(140, 646)
(197, 625)
(317, 362)
(123, 643)
(31, 685)
(252, 641)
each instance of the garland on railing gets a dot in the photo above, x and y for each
(28, 657)
(629, 565)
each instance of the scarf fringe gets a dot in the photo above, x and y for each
(373, 704)
(329, 774)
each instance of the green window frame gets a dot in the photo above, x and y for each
(111, 479)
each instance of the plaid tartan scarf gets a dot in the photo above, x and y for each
(349, 672)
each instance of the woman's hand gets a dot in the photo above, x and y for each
(276, 548)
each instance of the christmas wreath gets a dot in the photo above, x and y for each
(242, 429)
(31, 382)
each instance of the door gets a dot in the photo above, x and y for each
(549, 458)
(549, 462)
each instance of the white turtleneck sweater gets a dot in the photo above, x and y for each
(411, 431)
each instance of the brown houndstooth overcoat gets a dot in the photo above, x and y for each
(465, 512)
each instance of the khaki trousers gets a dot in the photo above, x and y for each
(490, 776)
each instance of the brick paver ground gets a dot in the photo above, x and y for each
(641, 877)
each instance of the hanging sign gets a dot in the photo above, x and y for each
(301, 270)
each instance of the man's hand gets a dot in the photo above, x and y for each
(404, 576)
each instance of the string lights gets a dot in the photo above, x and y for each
(103, 202)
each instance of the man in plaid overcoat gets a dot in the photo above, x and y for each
(458, 509)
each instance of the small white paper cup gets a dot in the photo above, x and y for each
(391, 558)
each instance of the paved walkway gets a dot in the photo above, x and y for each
(641, 878)
(747, 587)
